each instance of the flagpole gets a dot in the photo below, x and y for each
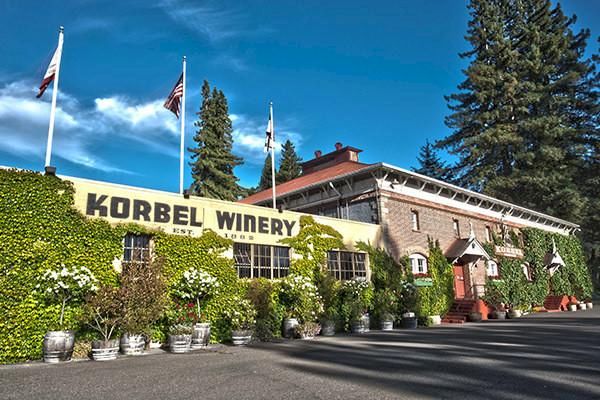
(182, 115)
(54, 94)
(273, 156)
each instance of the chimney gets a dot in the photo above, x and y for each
(318, 153)
(339, 155)
(338, 145)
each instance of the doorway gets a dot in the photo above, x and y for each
(459, 281)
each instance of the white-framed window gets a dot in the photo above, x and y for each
(527, 271)
(136, 248)
(418, 263)
(488, 233)
(456, 228)
(492, 268)
(261, 261)
(414, 219)
(346, 265)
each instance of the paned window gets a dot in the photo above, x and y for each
(261, 261)
(418, 263)
(136, 248)
(414, 215)
(345, 265)
(456, 228)
(488, 233)
(492, 268)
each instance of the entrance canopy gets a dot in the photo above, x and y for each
(465, 251)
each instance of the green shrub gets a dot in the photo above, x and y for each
(356, 297)
(264, 294)
(436, 299)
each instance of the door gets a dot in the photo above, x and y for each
(459, 281)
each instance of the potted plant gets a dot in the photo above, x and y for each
(242, 320)
(329, 289)
(103, 312)
(385, 301)
(499, 312)
(588, 304)
(181, 317)
(143, 292)
(357, 295)
(581, 305)
(63, 285)
(474, 316)
(409, 320)
(301, 302)
(307, 330)
(197, 286)
(515, 313)
(408, 300)
(572, 306)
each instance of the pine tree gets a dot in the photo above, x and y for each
(213, 160)
(289, 166)
(430, 163)
(522, 117)
(266, 175)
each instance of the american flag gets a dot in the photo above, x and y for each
(174, 100)
(50, 72)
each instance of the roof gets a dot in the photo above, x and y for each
(469, 248)
(320, 176)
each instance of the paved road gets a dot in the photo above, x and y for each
(542, 356)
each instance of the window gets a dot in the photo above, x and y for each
(418, 263)
(488, 233)
(527, 271)
(261, 261)
(492, 268)
(345, 265)
(414, 215)
(136, 248)
(456, 228)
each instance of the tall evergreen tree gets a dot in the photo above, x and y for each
(430, 163)
(213, 160)
(522, 117)
(266, 180)
(289, 166)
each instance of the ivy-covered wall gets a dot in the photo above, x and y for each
(40, 229)
(437, 298)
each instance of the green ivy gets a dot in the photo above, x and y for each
(437, 298)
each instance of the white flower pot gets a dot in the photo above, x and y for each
(581, 306)
(572, 307)
(589, 305)
(435, 319)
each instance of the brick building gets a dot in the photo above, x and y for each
(409, 208)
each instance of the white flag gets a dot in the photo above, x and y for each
(270, 139)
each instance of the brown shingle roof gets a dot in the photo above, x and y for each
(322, 175)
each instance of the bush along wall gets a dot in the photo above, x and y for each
(437, 298)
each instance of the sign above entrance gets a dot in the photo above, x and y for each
(509, 251)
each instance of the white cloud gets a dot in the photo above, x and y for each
(80, 130)
(249, 137)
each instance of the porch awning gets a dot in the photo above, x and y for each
(466, 250)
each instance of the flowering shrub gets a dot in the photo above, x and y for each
(66, 284)
(181, 318)
(243, 317)
(356, 296)
(196, 285)
(300, 298)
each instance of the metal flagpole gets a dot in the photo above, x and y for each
(273, 156)
(54, 94)
(182, 115)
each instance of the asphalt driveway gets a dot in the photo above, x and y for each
(541, 356)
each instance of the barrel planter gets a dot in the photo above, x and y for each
(435, 319)
(366, 321)
(241, 337)
(474, 317)
(58, 346)
(132, 345)
(180, 343)
(362, 325)
(200, 335)
(515, 313)
(328, 327)
(105, 350)
(498, 314)
(409, 322)
(387, 325)
(289, 325)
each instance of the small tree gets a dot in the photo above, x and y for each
(143, 292)
(104, 311)
(266, 181)
(196, 285)
(289, 166)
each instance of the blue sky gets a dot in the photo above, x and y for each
(367, 74)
